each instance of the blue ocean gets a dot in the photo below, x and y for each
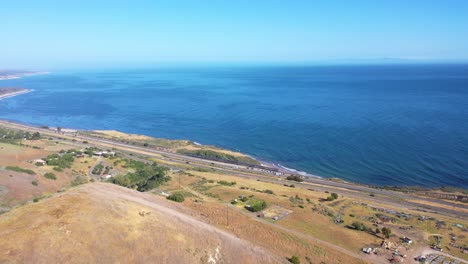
(378, 125)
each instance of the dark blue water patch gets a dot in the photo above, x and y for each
(384, 125)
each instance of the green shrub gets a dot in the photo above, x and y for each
(176, 197)
(226, 183)
(34, 183)
(36, 200)
(294, 260)
(57, 169)
(18, 169)
(50, 176)
(295, 178)
(256, 205)
(268, 191)
(332, 197)
(79, 180)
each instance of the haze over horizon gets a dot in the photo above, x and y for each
(53, 34)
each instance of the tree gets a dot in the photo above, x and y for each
(386, 232)
(377, 230)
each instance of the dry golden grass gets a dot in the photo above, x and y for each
(103, 223)
(19, 187)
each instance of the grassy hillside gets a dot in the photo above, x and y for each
(104, 223)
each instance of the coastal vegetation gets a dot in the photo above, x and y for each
(146, 176)
(218, 156)
(15, 136)
(295, 178)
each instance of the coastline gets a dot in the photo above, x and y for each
(267, 164)
(11, 76)
(8, 95)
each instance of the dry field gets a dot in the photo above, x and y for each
(19, 187)
(314, 218)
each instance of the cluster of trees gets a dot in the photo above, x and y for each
(295, 178)
(13, 136)
(218, 156)
(98, 169)
(386, 232)
(60, 161)
(145, 177)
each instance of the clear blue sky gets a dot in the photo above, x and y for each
(54, 34)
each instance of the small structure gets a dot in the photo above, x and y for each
(367, 250)
(40, 161)
(106, 176)
(407, 240)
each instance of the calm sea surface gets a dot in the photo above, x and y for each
(383, 125)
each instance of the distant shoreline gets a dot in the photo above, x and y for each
(18, 75)
(12, 94)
